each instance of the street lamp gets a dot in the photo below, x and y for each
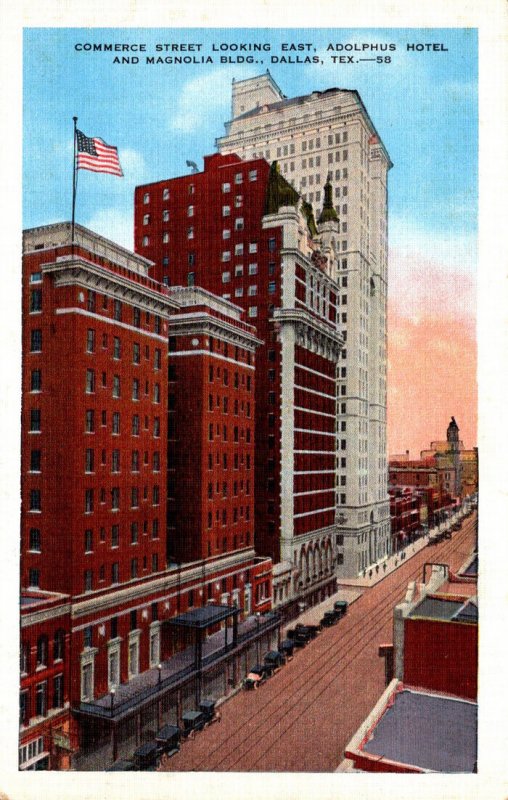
(112, 696)
(258, 615)
(159, 668)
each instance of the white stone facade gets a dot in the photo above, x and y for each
(321, 134)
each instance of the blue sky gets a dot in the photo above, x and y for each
(424, 105)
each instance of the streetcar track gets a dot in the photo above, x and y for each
(345, 664)
(349, 638)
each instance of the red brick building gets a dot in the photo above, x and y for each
(44, 716)
(234, 230)
(404, 516)
(107, 413)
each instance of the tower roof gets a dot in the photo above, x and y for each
(328, 213)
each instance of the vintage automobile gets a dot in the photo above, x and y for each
(146, 757)
(312, 629)
(210, 712)
(329, 618)
(122, 765)
(275, 660)
(256, 676)
(168, 740)
(299, 635)
(341, 606)
(287, 647)
(192, 721)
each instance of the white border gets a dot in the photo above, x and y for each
(490, 16)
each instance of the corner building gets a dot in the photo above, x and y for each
(105, 569)
(329, 134)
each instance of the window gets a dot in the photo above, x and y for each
(35, 540)
(35, 461)
(34, 578)
(36, 277)
(239, 225)
(36, 341)
(116, 386)
(134, 567)
(88, 580)
(41, 699)
(190, 232)
(156, 462)
(35, 500)
(35, 420)
(157, 393)
(271, 244)
(42, 651)
(146, 240)
(135, 425)
(226, 277)
(252, 290)
(35, 301)
(253, 311)
(115, 498)
(253, 247)
(35, 380)
(115, 572)
(90, 381)
(253, 175)
(116, 422)
(58, 696)
(155, 529)
(157, 324)
(117, 312)
(155, 562)
(155, 496)
(135, 389)
(89, 459)
(91, 298)
(115, 535)
(146, 198)
(88, 501)
(253, 269)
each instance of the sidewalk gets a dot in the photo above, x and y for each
(377, 572)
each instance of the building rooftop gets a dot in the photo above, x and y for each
(432, 732)
(443, 608)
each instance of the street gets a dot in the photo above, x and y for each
(301, 719)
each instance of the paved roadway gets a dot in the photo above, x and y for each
(302, 718)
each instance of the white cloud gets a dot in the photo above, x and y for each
(113, 224)
(201, 97)
(133, 165)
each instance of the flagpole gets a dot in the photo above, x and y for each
(73, 182)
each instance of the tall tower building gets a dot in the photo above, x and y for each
(329, 134)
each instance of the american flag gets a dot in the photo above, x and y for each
(96, 155)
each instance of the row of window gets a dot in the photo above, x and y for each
(115, 497)
(117, 348)
(90, 384)
(35, 538)
(214, 430)
(237, 380)
(118, 311)
(90, 420)
(41, 704)
(42, 651)
(116, 460)
(135, 571)
(225, 405)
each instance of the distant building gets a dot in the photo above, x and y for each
(404, 516)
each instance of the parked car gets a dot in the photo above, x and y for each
(312, 629)
(168, 740)
(208, 709)
(122, 765)
(146, 757)
(287, 647)
(274, 661)
(329, 618)
(341, 606)
(300, 635)
(192, 721)
(256, 676)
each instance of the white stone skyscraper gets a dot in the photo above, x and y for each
(330, 134)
